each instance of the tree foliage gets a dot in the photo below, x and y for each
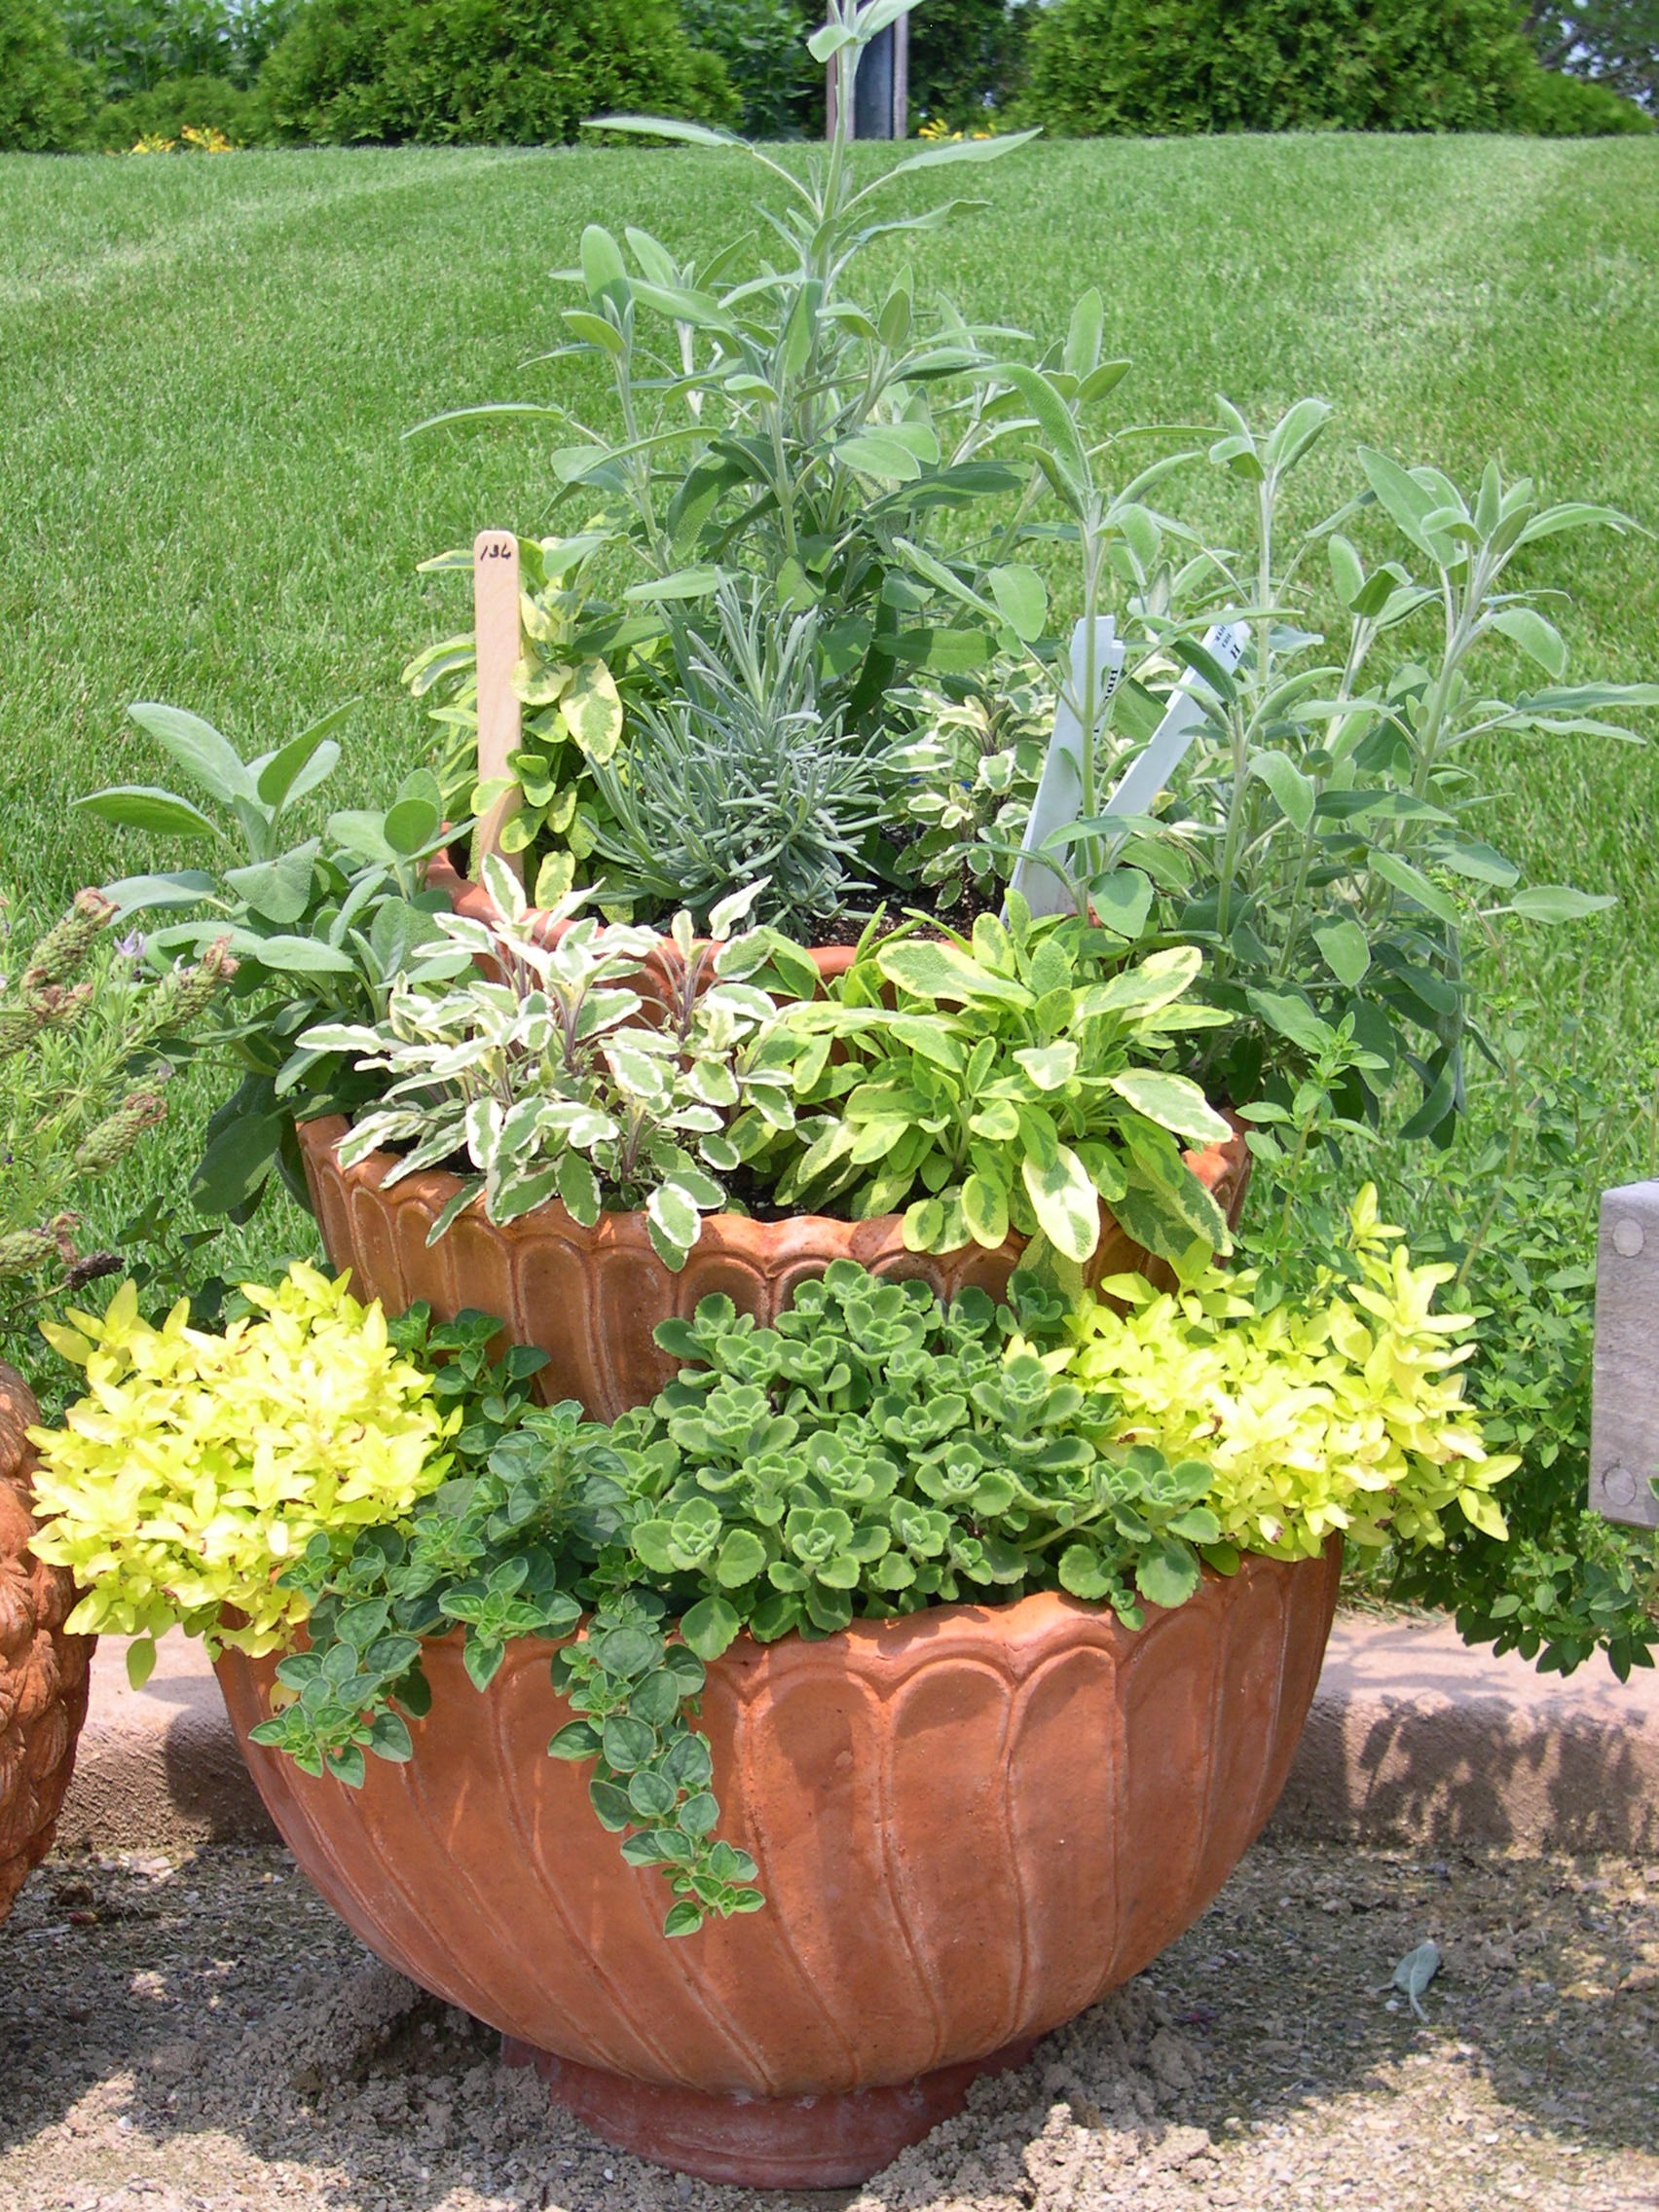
(1612, 43)
(46, 96)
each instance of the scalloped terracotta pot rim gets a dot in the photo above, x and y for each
(969, 1824)
(591, 1298)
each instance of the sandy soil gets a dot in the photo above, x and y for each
(202, 2035)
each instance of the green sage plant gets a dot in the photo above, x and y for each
(1323, 830)
(772, 423)
(1006, 1081)
(543, 1077)
(318, 926)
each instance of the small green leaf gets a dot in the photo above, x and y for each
(1539, 639)
(1290, 1016)
(1022, 600)
(1559, 902)
(1065, 1201)
(144, 806)
(1121, 902)
(210, 760)
(577, 1740)
(710, 1627)
(740, 1559)
(1293, 789)
(1167, 1573)
(1346, 950)
(591, 711)
(984, 1209)
(1174, 1102)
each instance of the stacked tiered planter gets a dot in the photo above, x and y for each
(969, 1824)
(43, 1671)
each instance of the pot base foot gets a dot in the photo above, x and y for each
(831, 2141)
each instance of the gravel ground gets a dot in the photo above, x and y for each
(202, 2034)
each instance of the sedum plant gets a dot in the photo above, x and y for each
(1000, 1083)
(198, 1463)
(546, 1077)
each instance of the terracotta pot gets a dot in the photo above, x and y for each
(44, 1673)
(590, 1298)
(652, 979)
(969, 1824)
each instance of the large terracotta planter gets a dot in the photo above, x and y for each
(968, 1825)
(43, 1672)
(590, 1298)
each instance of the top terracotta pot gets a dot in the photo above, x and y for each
(655, 978)
(43, 1672)
(591, 1298)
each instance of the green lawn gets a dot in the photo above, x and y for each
(207, 365)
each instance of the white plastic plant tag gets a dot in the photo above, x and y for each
(1059, 794)
(496, 627)
(1166, 748)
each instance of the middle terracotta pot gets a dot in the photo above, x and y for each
(590, 1298)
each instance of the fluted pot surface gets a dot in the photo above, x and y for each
(43, 1671)
(969, 1826)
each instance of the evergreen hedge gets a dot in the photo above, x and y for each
(482, 72)
(1168, 66)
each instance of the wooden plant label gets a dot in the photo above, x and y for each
(495, 625)
(1624, 1411)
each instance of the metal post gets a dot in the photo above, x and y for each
(881, 90)
(1624, 1418)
